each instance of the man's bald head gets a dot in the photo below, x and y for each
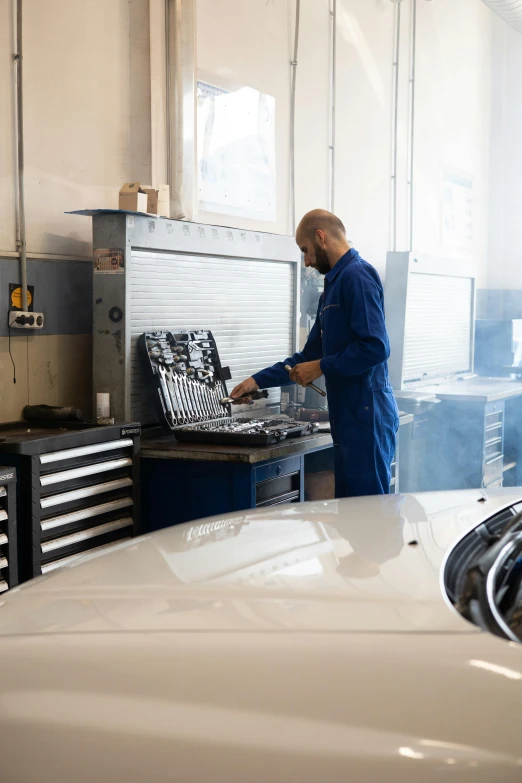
(321, 237)
(320, 220)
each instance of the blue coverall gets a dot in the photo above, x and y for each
(350, 338)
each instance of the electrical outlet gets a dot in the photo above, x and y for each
(19, 319)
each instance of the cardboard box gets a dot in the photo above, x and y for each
(164, 201)
(152, 200)
(133, 198)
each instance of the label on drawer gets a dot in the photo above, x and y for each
(130, 431)
(6, 476)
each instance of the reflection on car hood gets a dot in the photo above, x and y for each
(364, 564)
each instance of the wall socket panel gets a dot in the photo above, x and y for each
(18, 319)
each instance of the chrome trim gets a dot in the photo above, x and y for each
(54, 564)
(3, 539)
(85, 492)
(85, 535)
(3, 515)
(444, 564)
(82, 451)
(3, 562)
(88, 470)
(490, 590)
(86, 513)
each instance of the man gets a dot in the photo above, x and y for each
(348, 345)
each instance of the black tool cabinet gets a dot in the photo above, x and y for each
(77, 490)
(8, 542)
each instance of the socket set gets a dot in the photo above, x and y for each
(185, 377)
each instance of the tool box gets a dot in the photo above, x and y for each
(185, 378)
(8, 546)
(77, 488)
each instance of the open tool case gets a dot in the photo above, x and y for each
(184, 375)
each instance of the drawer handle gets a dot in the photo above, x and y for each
(82, 451)
(279, 470)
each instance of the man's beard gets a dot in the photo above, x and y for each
(322, 264)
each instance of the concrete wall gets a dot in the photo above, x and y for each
(88, 130)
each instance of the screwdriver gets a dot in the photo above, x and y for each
(310, 385)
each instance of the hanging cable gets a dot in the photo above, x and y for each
(9, 347)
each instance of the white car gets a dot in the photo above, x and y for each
(308, 643)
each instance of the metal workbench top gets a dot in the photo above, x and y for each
(476, 390)
(166, 447)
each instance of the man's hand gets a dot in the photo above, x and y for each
(305, 373)
(243, 389)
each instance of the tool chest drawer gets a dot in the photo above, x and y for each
(278, 482)
(493, 449)
(77, 491)
(8, 543)
(277, 468)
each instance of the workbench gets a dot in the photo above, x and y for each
(182, 482)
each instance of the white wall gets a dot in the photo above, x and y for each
(453, 114)
(252, 43)
(364, 124)
(87, 130)
(505, 247)
(87, 115)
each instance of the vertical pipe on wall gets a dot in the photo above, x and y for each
(395, 121)
(333, 80)
(181, 106)
(292, 115)
(21, 238)
(413, 55)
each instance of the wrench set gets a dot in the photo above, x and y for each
(188, 384)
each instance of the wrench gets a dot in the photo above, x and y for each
(195, 391)
(182, 419)
(173, 399)
(201, 388)
(208, 401)
(166, 394)
(181, 403)
(190, 407)
(222, 411)
(183, 397)
(217, 406)
(192, 397)
(211, 401)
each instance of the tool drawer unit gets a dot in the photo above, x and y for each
(8, 547)
(78, 489)
(467, 444)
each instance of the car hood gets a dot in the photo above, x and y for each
(358, 565)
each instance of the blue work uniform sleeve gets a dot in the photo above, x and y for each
(362, 301)
(313, 350)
